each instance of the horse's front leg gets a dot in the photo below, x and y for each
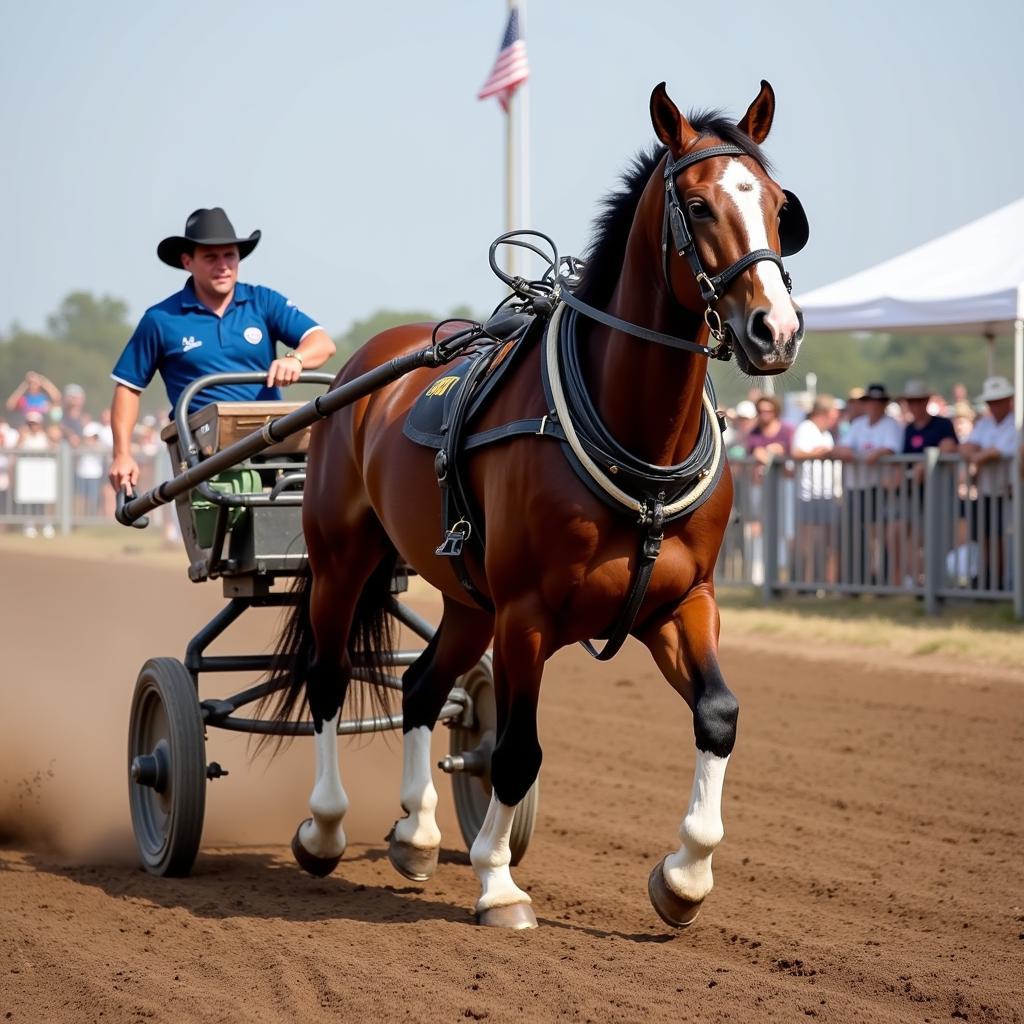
(520, 649)
(685, 647)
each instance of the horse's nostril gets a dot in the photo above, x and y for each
(758, 329)
(799, 326)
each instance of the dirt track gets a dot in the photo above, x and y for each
(871, 869)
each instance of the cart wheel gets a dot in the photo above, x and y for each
(473, 791)
(166, 768)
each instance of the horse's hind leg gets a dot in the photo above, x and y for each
(521, 646)
(685, 648)
(337, 582)
(459, 643)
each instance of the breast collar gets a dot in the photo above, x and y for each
(619, 478)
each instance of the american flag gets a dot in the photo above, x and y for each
(511, 67)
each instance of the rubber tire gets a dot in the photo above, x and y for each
(473, 792)
(168, 826)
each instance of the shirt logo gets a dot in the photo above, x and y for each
(187, 344)
(253, 335)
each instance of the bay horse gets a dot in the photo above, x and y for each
(559, 562)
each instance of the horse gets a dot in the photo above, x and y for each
(687, 251)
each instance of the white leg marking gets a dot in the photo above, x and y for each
(418, 796)
(688, 871)
(491, 857)
(745, 191)
(324, 836)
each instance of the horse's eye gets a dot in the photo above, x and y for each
(698, 208)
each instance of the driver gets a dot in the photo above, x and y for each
(213, 325)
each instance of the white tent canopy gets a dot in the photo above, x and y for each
(971, 280)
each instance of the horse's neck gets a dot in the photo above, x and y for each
(648, 395)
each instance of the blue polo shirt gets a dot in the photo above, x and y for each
(183, 339)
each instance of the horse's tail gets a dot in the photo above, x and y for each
(370, 645)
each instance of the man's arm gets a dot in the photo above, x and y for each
(124, 414)
(51, 389)
(313, 351)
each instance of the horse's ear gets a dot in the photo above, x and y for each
(669, 125)
(757, 121)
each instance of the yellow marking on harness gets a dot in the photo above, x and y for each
(442, 386)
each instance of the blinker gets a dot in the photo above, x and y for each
(794, 231)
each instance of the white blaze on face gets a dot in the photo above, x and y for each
(744, 190)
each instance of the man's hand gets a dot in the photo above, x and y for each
(283, 372)
(124, 472)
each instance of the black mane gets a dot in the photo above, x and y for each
(612, 225)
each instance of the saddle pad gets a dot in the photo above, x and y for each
(428, 419)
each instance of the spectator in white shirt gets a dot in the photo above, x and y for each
(871, 437)
(988, 447)
(818, 511)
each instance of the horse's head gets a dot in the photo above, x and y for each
(729, 223)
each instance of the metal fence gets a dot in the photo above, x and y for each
(929, 525)
(55, 490)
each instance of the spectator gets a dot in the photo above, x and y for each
(872, 436)
(90, 468)
(963, 420)
(770, 436)
(817, 514)
(852, 410)
(35, 393)
(736, 433)
(993, 439)
(34, 439)
(923, 431)
(74, 417)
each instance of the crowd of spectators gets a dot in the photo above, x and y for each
(837, 445)
(36, 419)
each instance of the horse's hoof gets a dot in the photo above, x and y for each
(517, 916)
(318, 867)
(415, 864)
(673, 909)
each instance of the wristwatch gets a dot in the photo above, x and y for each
(294, 355)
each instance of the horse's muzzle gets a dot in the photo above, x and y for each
(757, 350)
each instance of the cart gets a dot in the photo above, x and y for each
(240, 468)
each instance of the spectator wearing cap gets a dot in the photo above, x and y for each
(818, 513)
(923, 430)
(73, 415)
(872, 436)
(992, 441)
(741, 423)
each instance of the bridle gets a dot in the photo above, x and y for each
(793, 235)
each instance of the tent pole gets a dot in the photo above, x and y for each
(1018, 469)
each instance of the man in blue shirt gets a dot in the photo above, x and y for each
(213, 325)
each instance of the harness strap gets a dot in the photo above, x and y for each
(647, 555)
(616, 324)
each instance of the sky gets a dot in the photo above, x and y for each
(350, 134)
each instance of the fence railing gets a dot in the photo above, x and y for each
(927, 525)
(57, 489)
(930, 525)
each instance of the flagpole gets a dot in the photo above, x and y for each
(511, 182)
(523, 94)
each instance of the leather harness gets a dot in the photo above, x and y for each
(655, 494)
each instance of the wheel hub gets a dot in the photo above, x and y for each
(153, 770)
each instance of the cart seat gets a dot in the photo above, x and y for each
(220, 424)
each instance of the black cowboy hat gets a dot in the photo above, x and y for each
(204, 227)
(876, 392)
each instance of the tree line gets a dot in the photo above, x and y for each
(85, 334)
